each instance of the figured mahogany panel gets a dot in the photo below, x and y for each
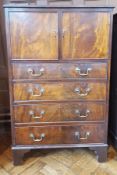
(59, 91)
(85, 35)
(59, 112)
(57, 71)
(60, 134)
(34, 35)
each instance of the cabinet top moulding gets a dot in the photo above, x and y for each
(53, 4)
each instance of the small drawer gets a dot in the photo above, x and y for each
(59, 71)
(59, 112)
(59, 91)
(76, 134)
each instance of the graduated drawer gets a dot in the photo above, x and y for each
(60, 134)
(59, 112)
(59, 91)
(59, 70)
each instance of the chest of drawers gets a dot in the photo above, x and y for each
(59, 69)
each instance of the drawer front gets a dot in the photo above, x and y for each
(60, 134)
(59, 91)
(59, 112)
(59, 71)
(34, 35)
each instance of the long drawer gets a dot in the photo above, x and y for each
(59, 91)
(60, 134)
(59, 112)
(57, 71)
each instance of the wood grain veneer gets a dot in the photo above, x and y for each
(58, 71)
(60, 134)
(59, 112)
(29, 43)
(86, 37)
(59, 91)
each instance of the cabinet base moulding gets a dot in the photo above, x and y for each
(19, 152)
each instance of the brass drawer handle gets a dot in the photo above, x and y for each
(81, 73)
(37, 139)
(41, 91)
(31, 72)
(87, 134)
(82, 116)
(31, 113)
(82, 94)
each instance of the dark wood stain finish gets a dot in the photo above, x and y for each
(59, 69)
(59, 112)
(60, 134)
(59, 91)
(29, 43)
(86, 37)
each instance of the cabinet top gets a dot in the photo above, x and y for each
(51, 4)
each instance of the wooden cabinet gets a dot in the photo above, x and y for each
(59, 64)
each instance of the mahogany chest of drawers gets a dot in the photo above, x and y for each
(59, 69)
